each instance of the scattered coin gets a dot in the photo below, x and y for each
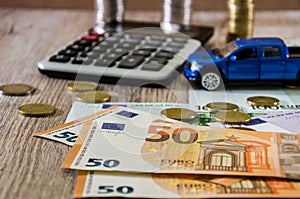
(181, 114)
(37, 110)
(93, 97)
(16, 89)
(232, 117)
(242, 128)
(262, 101)
(81, 86)
(221, 106)
(293, 86)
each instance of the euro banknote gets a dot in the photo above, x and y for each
(113, 184)
(129, 140)
(288, 98)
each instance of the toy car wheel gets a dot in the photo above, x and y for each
(211, 81)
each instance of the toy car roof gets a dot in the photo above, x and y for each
(259, 41)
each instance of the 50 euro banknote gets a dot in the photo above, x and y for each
(116, 184)
(129, 140)
(82, 112)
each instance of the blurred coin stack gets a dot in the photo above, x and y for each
(108, 11)
(176, 13)
(241, 17)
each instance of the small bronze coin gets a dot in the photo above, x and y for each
(93, 97)
(181, 114)
(232, 117)
(81, 86)
(16, 89)
(221, 106)
(242, 128)
(37, 110)
(262, 101)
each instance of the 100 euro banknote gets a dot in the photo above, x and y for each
(129, 140)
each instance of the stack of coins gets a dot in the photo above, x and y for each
(108, 11)
(176, 13)
(241, 17)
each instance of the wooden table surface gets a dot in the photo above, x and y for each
(30, 166)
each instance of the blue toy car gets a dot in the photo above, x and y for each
(252, 60)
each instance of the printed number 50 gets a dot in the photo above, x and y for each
(93, 162)
(111, 189)
(177, 134)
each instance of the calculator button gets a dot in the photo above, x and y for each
(82, 60)
(126, 46)
(154, 43)
(180, 40)
(158, 38)
(133, 41)
(106, 44)
(170, 49)
(159, 60)
(175, 45)
(148, 47)
(131, 62)
(83, 43)
(120, 51)
(152, 66)
(60, 58)
(164, 54)
(98, 49)
(142, 52)
(78, 48)
(137, 36)
(91, 55)
(115, 56)
(113, 39)
(90, 38)
(68, 52)
(105, 62)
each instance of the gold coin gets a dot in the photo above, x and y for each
(37, 110)
(262, 101)
(232, 117)
(93, 97)
(16, 89)
(80, 86)
(293, 86)
(181, 114)
(221, 106)
(242, 128)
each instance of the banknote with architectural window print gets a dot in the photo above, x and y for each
(92, 184)
(169, 146)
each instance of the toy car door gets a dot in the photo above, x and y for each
(272, 64)
(244, 64)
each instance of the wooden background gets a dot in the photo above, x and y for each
(30, 166)
(149, 4)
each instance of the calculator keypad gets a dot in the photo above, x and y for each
(122, 51)
(136, 56)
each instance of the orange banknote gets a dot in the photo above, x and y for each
(113, 184)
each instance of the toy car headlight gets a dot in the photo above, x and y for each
(195, 66)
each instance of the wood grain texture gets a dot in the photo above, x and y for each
(148, 5)
(30, 166)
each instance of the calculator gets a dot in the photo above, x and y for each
(125, 54)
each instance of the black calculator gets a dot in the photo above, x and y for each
(124, 54)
